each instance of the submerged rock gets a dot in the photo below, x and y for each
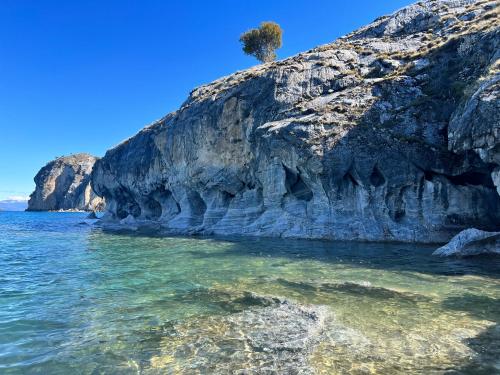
(64, 185)
(471, 242)
(277, 337)
(361, 289)
(387, 134)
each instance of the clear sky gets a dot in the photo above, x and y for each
(80, 76)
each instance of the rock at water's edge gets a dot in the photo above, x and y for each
(471, 242)
(64, 184)
(387, 134)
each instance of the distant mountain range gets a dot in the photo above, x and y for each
(13, 204)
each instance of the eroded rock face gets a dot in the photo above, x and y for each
(64, 184)
(471, 242)
(359, 139)
(476, 125)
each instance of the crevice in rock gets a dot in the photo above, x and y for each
(350, 179)
(396, 204)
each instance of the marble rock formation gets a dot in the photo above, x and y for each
(471, 242)
(387, 134)
(64, 184)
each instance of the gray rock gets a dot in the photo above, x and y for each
(354, 140)
(129, 222)
(415, 18)
(275, 339)
(64, 184)
(471, 242)
(476, 125)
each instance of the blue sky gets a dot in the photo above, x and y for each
(80, 76)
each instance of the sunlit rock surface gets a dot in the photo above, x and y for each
(389, 133)
(64, 184)
(471, 242)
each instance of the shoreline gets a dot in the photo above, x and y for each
(157, 229)
(61, 210)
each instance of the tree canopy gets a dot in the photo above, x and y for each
(262, 42)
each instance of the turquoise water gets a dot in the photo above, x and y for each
(74, 299)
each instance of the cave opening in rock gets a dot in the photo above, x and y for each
(197, 204)
(377, 178)
(296, 186)
(472, 178)
(129, 208)
(468, 178)
(152, 209)
(126, 205)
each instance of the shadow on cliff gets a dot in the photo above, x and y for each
(486, 345)
(388, 175)
(402, 151)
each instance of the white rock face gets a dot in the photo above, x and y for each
(64, 184)
(471, 242)
(360, 139)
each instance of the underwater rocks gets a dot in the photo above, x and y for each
(64, 184)
(276, 337)
(358, 289)
(265, 334)
(471, 242)
(388, 134)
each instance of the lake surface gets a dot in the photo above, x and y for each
(76, 300)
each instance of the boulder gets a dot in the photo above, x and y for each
(471, 242)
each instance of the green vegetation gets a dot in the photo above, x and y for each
(262, 42)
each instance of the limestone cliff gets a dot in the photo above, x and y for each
(389, 133)
(64, 184)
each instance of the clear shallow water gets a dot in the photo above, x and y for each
(76, 300)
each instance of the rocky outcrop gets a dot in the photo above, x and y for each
(476, 127)
(387, 134)
(64, 184)
(471, 242)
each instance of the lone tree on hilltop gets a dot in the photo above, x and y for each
(262, 42)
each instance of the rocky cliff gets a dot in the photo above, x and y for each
(389, 133)
(64, 184)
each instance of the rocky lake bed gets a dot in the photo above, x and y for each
(131, 302)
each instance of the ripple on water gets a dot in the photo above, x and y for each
(75, 299)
